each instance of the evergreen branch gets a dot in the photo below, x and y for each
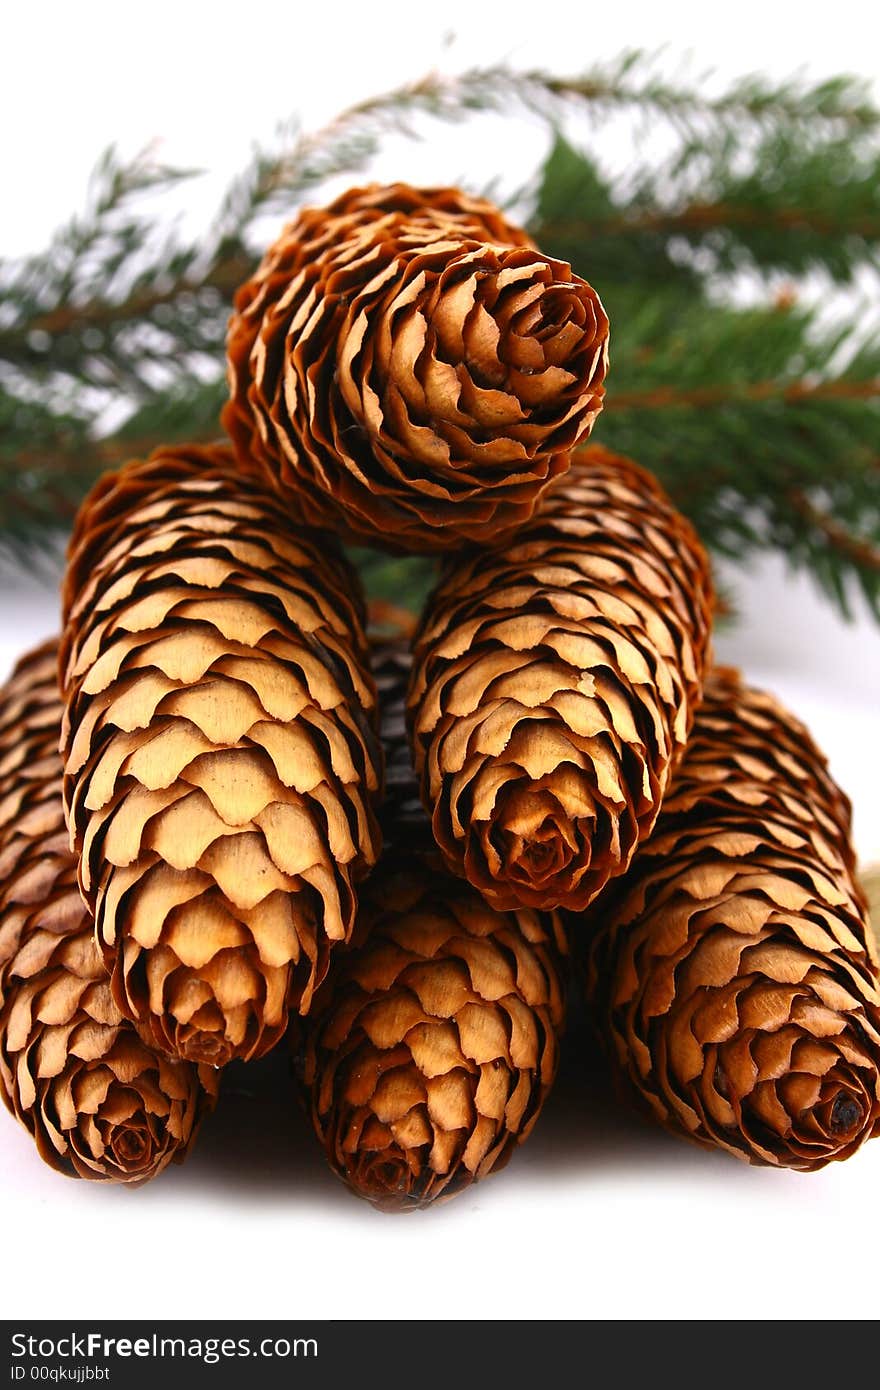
(802, 479)
(746, 415)
(627, 82)
(796, 205)
(102, 239)
(223, 277)
(844, 101)
(840, 105)
(345, 144)
(697, 218)
(727, 393)
(854, 549)
(91, 457)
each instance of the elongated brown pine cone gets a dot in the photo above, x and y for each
(554, 684)
(99, 1103)
(732, 972)
(220, 749)
(433, 1043)
(410, 366)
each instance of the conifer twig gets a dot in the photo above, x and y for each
(760, 422)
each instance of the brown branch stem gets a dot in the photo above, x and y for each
(858, 551)
(731, 393)
(754, 104)
(98, 454)
(703, 217)
(224, 277)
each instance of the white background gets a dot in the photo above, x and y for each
(598, 1216)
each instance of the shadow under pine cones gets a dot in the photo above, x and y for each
(259, 1142)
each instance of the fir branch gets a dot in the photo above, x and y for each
(345, 145)
(733, 392)
(840, 101)
(631, 82)
(699, 217)
(747, 415)
(223, 277)
(855, 550)
(800, 477)
(796, 206)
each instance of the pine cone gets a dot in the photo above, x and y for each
(98, 1102)
(554, 684)
(401, 814)
(434, 1041)
(410, 366)
(731, 972)
(220, 749)
(446, 207)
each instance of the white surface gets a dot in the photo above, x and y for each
(598, 1216)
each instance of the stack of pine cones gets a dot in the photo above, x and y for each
(230, 814)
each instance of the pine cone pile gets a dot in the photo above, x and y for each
(230, 854)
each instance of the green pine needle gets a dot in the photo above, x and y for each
(763, 421)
